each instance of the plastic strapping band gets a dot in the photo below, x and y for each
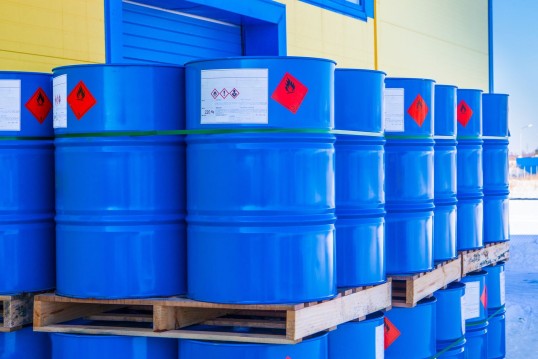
(449, 347)
(12, 138)
(487, 319)
(215, 132)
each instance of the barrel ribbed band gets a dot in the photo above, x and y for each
(451, 346)
(499, 138)
(444, 138)
(392, 137)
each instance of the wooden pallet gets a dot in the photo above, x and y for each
(477, 259)
(407, 290)
(16, 311)
(173, 317)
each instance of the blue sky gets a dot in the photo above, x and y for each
(515, 56)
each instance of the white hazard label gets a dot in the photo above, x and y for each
(472, 300)
(394, 109)
(463, 314)
(10, 105)
(502, 287)
(379, 342)
(234, 96)
(59, 103)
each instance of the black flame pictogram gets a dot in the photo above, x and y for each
(40, 99)
(463, 109)
(80, 93)
(419, 105)
(290, 86)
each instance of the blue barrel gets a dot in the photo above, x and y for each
(417, 330)
(444, 229)
(25, 344)
(313, 348)
(475, 299)
(470, 170)
(27, 182)
(495, 282)
(495, 165)
(69, 346)
(260, 176)
(455, 351)
(409, 180)
(364, 339)
(496, 218)
(120, 201)
(476, 346)
(359, 178)
(496, 336)
(495, 114)
(450, 315)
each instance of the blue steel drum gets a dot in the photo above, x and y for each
(409, 242)
(496, 336)
(495, 281)
(359, 178)
(27, 182)
(470, 175)
(120, 199)
(445, 111)
(476, 346)
(409, 184)
(313, 348)
(444, 232)
(469, 113)
(470, 220)
(495, 166)
(450, 315)
(495, 115)
(475, 299)
(261, 204)
(69, 346)
(496, 218)
(417, 330)
(25, 344)
(364, 339)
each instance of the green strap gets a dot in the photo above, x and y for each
(469, 138)
(487, 319)
(452, 345)
(15, 138)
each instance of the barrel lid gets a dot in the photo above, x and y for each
(113, 65)
(24, 73)
(447, 86)
(236, 58)
(469, 90)
(361, 70)
(409, 78)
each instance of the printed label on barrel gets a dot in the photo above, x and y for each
(234, 96)
(472, 300)
(59, 103)
(394, 109)
(10, 105)
(464, 113)
(379, 342)
(81, 100)
(290, 93)
(39, 105)
(418, 110)
(501, 287)
(462, 309)
(391, 333)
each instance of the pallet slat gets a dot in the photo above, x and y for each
(490, 254)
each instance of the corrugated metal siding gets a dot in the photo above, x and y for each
(156, 35)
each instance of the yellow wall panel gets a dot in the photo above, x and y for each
(446, 40)
(37, 35)
(313, 31)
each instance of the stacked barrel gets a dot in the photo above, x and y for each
(120, 193)
(444, 228)
(495, 164)
(450, 321)
(360, 196)
(26, 198)
(470, 174)
(495, 282)
(476, 315)
(409, 178)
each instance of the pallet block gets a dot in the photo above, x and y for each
(477, 259)
(407, 290)
(172, 317)
(16, 311)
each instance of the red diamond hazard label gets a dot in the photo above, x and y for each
(290, 93)
(484, 298)
(464, 113)
(391, 333)
(39, 105)
(418, 110)
(80, 100)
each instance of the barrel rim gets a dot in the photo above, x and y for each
(495, 94)
(347, 69)
(122, 65)
(446, 85)
(10, 72)
(469, 90)
(313, 338)
(411, 78)
(235, 58)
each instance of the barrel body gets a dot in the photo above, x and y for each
(476, 314)
(359, 178)
(457, 351)
(496, 336)
(495, 166)
(444, 232)
(470, 221)
(450, 314)
(476, 345)
(266, 193)
(27, 179)
(313, 348)
(120, 198)
(496, 218)
(25, 343)
(68, 346)
(495, 114)
(417, 330)
(495, 281)
(470, 177)
(409, 173)
(364, 339)
(469, 113)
